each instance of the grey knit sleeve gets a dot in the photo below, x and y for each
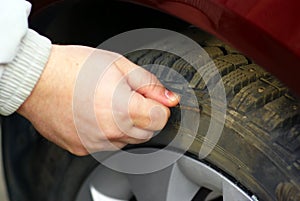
(20, 76)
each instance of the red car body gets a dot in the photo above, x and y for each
(268, 31)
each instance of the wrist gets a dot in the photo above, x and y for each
(21, 75)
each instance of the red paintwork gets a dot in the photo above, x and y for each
(268, 31)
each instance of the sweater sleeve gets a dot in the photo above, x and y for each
(23, 55)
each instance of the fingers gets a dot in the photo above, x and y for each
(130, 104)
(146, 83)
(146, 113)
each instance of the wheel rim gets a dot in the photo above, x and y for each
(187, 179)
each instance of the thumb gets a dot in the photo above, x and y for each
(146, 83)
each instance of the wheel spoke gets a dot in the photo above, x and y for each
(180, 188)
(165, 185)
(212, 196)
(149, 187)
(98, 196)
(109, 185)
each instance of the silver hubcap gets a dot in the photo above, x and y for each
(187, 179)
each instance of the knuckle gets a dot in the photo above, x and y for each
(153, 82)
(115, 135)
(143, 121)
(146, 122)
(121, 61)
(159, 116)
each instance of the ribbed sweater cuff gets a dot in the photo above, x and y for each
(21, 75)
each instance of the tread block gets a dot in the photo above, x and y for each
(135, 56)
(213, 52)
(208, 74)
(276, 114)
(188, 72)
(165, 60)
(213, 42)
(235, 59)
(184, 68)
(256, 94)
(231, 50)
(172, 76)
(224, 65)
(240, 78)
(197, 58)
(149, 58)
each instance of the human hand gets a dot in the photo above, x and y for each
(129, 102)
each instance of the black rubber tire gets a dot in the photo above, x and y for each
(259, 147)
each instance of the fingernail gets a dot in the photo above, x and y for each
(171, 96)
